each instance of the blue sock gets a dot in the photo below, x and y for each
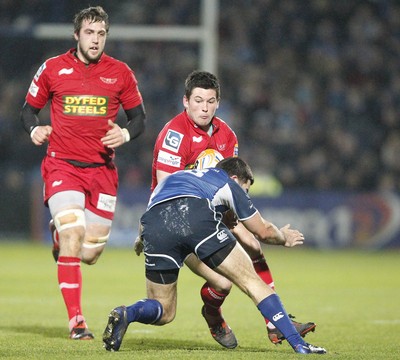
(272, 309)
(146, 311)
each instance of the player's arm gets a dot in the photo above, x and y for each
(268, 233)
(30, 122)
(161, 175)
(136, 119)
(116, 136)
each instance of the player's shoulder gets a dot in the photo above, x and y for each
(53, 65)
(177, 123)
(223, 126)
(56, 60)
(222, 123)
(121, 65)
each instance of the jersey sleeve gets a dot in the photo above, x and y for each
(240, 202)
(39, 89)
(130, 95)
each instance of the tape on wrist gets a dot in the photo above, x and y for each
(125, 134)
(33, 131)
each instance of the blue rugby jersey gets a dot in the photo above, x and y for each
(213, 184)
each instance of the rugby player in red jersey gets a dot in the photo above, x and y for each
(177, 146)
(86, 88)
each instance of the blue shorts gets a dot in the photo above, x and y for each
(174, 229)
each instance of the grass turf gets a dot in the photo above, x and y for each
(353, 297)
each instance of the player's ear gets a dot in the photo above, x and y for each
(76, 36)
(185, 101)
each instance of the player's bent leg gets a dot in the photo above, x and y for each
(263, 296)
(213, 294)
(158, 309)
(96, 238)
(215, 280)
(97, 233)
(247, 279)
(166, 295)
(253, 248)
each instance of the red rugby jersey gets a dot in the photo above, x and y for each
(181, 141)
(83, 99)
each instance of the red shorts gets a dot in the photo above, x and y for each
(99, 184)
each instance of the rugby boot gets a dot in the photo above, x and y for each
(80, 331)
(276, 337)
(220, 330)
(309, 349)
(115, 329)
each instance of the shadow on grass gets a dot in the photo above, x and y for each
(44, 331)
(138, 344)
(149, 344)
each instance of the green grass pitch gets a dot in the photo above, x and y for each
(353, 296)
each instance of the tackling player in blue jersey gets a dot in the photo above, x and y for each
(185, 215)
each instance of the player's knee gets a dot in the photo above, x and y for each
(92, 248)
(223, 285)
(167, 317)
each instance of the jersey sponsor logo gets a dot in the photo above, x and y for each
(278, 316)
(172, 140)
(106, 202)
(169, 159)
(197, 139)
(39, 72)
(108, 81)
(85, 105)
(66, 71)
(56, 183)
(33, 89)
(222, 236)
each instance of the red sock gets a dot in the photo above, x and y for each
(70, 283)
(212, 299)
(262, 269)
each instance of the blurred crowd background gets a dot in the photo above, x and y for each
(311, 87)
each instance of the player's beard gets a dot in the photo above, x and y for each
(86, 55)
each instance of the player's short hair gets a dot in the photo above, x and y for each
(238, 167)
(93, 14)
(203, 80)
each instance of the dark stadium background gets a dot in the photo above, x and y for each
(312, 89)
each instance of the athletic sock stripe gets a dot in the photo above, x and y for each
(65, 285)
(68, 264)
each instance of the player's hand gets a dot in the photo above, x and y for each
(292, 237)
(41, 134)
(229, 219)
(138, 245)
(115, 136)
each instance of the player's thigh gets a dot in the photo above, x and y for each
(96, 237)
(238, 268)
(97, 228)
(63, 200)
(217, 281)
